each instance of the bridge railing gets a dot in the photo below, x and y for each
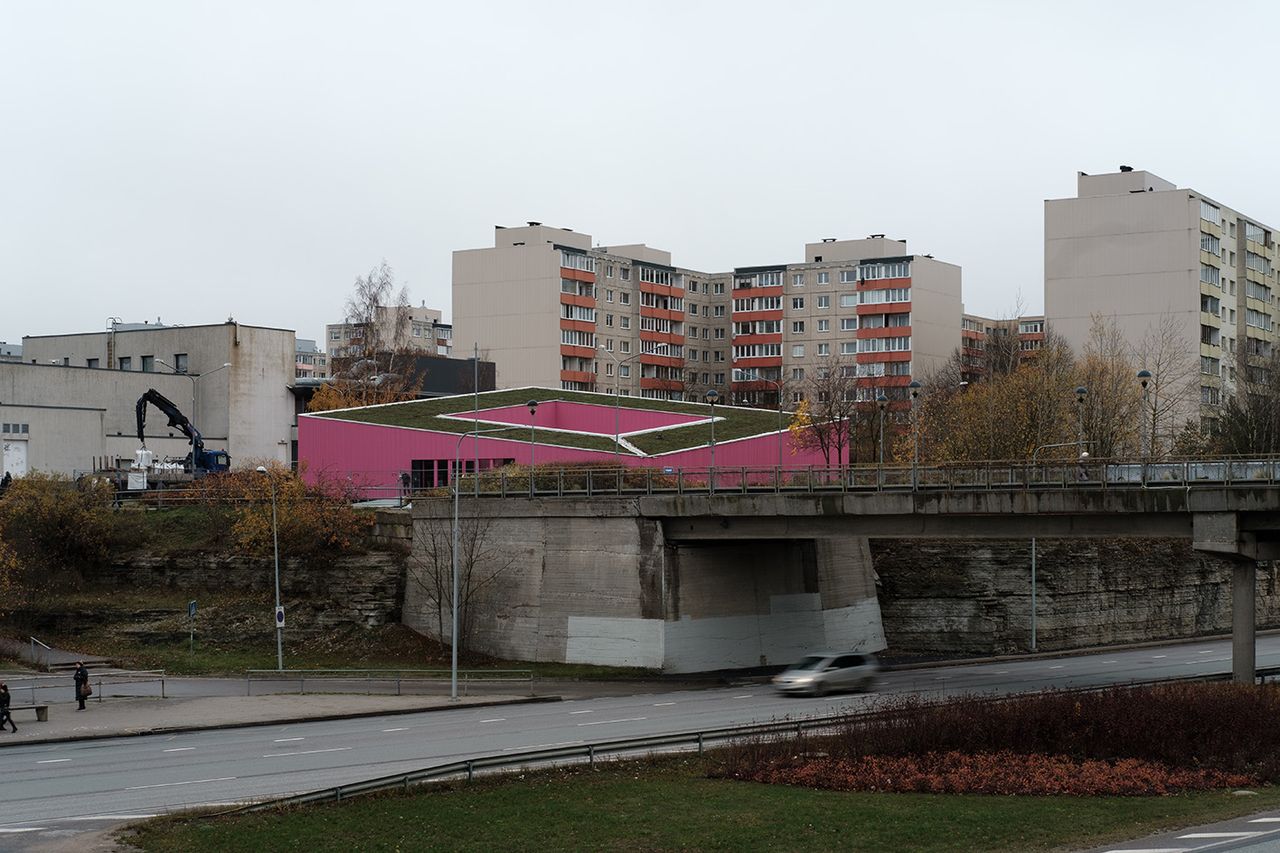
(579, 481)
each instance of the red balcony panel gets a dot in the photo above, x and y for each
(574, 299)
(666, 361)
(661, 337)
(885, 332)
(577, 376)
(577, 325)
(751, 292)
(764, 361)
(873, 357)
(580, 352)
(752, 316)
(884, 308)
(577, 275)
(661, 314)
(883, 283)
(661, 384)
(743, 340)
(659, 289)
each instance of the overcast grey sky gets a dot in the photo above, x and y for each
(194, 161)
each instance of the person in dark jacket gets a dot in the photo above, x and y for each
(82, 682)
(4, 483)
(4, 708)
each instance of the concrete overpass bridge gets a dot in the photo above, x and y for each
(667, 527)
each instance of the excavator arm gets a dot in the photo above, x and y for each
(177, 420)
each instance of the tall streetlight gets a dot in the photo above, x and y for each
(194, 412)
(711, 397)
(617, 391)
(275, 543)
(1081, 393)
(1145, 441)
(533, 413)
(756, 377)
(882, 402)
(457, 488)
(915, 387)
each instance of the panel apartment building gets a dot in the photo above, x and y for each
(1135, 247)
(553, 310)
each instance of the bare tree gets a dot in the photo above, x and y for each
(1112, 403)
(828, 415)
(1172, 391)
(480, 564)
(376, 363)
(1250, 421)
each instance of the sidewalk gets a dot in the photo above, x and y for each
(125, 717)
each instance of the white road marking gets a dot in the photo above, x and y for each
(662, 704)
(1157, 657)
(1265, 820)
(1056, 666)
(571, 713)
(287, 739)
(1109, 661)
(1152, 850)
(607, 722)
(495, 720)
(173, 784)
(745, 696)
(401, 729)
(306, 752)
(113, 817)
(1221, 835)
(53, 761)
(1205, 652)
(542, 745)
(180, 749)
(1002, 672)
(16, 829)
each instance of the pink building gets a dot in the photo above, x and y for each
(374, 447)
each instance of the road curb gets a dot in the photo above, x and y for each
(355, 715)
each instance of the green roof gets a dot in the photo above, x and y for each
(732, 422)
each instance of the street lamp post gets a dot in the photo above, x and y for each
(533, 412)
(1081, 393)
(882, 402)
(275, 544)
(711, 397)
(617, 391)
(915, 387)
(1145, 441)
(453, 551)
(195, 414)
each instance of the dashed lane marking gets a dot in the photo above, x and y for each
(401, 729)
(607, 722)
(306, 752)
(17, 829)
(114, 817)
(1221, 835)
(53, 761)
(287, 739)
(662, 704)
(1056, 666)
(541, 745)
(1265, 820)
(571, 713)
(180, 749)
(175, 784)
(495, 720)
(1157, 657)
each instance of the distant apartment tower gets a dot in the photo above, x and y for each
(984, 340)
(553, 310)
(426, 332)
(310, 362)
(1135, 247)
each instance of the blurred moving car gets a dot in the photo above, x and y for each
(823, 672)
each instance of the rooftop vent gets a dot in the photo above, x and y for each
(828, 239)
(1126, 168)
(534, 224)
(876, 237)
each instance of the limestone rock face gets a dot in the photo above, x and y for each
(974, 598)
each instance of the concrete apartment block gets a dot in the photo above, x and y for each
(426, 332)
(1134, 247)
(553, 310)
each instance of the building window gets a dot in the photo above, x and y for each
(824, 349)
(1210, 366)
(148, 364)
(608, 270)
(797, 279)
(1209, 213)
(719, 334)
(608, 368)
(824, 325)
(126, 363)
(608, 319)
(719, 378)
(624, 370)
(797, 303)
(1026, 327)
(824, 301)
(849, 348)
(624, 321)
(1210, 244)
(718, 288)
(91, 362)
(824, 278)
(625, 274)
(797, 351)
(848, 324)
(608, 296)
(624, 298)
(335, 335)
(848, 300)
(1256, 233)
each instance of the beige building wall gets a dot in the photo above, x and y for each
(246, 408)
(935, 313)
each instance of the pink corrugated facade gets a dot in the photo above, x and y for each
(373, 457)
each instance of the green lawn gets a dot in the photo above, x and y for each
(671, 805)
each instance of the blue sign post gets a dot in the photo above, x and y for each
(191, 615)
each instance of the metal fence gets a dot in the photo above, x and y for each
(382, 680)
(53, 685)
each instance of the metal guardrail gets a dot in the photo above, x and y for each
(605, 750)
(398, 677)
(32, 683)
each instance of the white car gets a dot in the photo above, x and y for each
(823, 672)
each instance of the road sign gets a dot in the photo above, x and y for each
(279, 617)
(191, 610)
(668, 470)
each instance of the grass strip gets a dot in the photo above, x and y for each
(672, 805)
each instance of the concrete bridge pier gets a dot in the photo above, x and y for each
(1244, 585)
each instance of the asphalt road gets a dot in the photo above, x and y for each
(56, 791)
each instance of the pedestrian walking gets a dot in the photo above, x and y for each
(82, 684)
(4, 708)
(5, 483)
